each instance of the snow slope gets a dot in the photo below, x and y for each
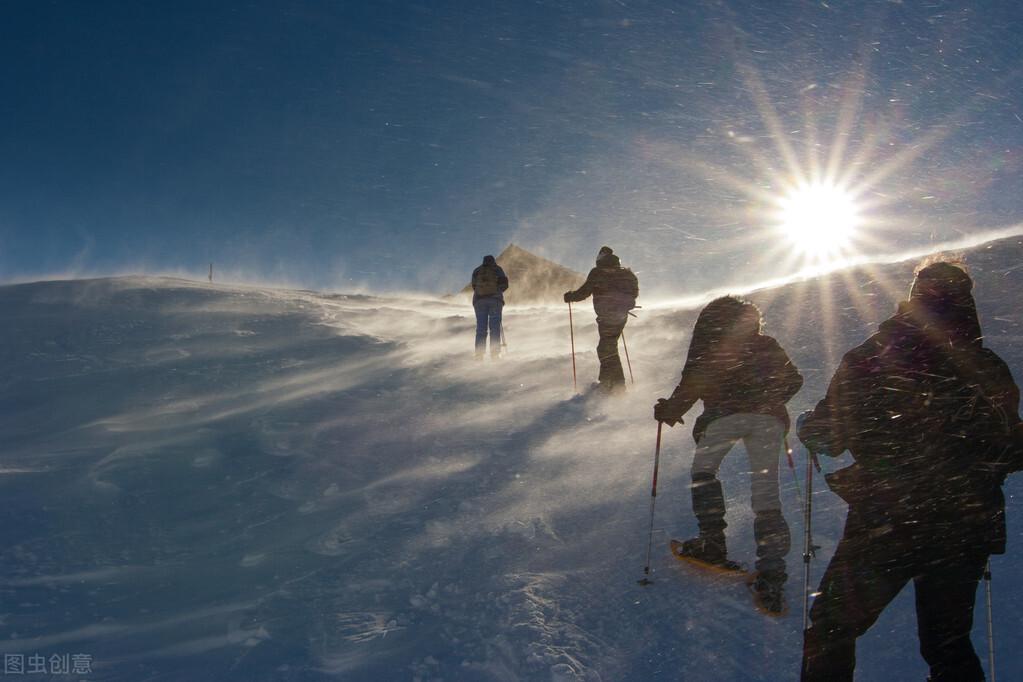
(205, 482)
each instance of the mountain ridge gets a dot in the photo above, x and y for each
(532, 278)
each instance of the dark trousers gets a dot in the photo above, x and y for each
(870, 567)
(610, 327)
(488, 316)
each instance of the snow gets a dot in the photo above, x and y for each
(212, 482)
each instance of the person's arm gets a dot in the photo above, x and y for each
(690, 389)
(784, 380)
(822, 429)
(472, 280)
(583, 292)
(502, 280)
(1001, 389)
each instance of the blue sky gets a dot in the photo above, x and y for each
(391, 144)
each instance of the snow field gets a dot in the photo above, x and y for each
(214, 482)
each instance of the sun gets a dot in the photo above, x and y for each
(819, 219)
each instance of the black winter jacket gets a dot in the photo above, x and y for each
(932, 423)
(753, 376)
(614, 288)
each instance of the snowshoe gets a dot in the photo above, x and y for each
(704, 555)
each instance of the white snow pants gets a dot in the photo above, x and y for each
(762, 435)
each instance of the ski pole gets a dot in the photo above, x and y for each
(653, 500)
(627, 360)
(808, 548)
(571, 334)
(990, 622)
(504, 339)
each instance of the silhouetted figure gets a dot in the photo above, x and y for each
(488, 286)
(614, 290)
(744, 379)
(930, 417)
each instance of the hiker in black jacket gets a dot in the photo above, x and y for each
(744, 379)
(931, 418)
(614, 290)
(488, 286)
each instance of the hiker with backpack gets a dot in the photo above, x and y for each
(488, 286)
(931, 419)
(744, 379)
(614, 290)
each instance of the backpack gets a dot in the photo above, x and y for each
(949, 447)
(484, 281)
(623, 287)
(975, 431)
(628, 284)
(937, 411)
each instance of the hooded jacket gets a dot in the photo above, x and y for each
(614, 288)
(752, 375)
(931, 418)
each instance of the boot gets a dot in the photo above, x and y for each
(709, 505)
(612, 387)
(708, 548)
(769, 589)
(773, 542)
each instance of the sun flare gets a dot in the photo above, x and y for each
(819, 219)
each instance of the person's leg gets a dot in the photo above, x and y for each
(481, 326)
(612, 376)
(763, 441)
(495, 327)
(865, 574)
(945, 596)
(708, 497)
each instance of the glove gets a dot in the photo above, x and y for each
(805, 438)
(664, 412)
(568, 297)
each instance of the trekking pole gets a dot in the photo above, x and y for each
(627, 360)
(990, 622)
(808, 548)
(571, 334)
(645, 580)
(792, 468)
(504, 339)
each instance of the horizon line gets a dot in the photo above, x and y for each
(690, 300)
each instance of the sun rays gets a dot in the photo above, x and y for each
(819, 188)
(801, 171)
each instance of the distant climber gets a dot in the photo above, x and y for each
(931, 419)
(488, 286)
(744, 379)
(614, 290)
